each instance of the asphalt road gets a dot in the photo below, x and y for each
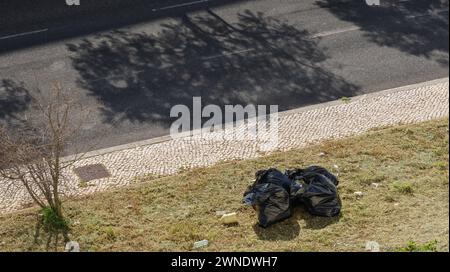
(130, 71)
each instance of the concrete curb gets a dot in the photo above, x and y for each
(166, 138)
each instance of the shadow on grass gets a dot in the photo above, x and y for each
(317, 222)
(285, 230)
(51, 238)
(290, 228)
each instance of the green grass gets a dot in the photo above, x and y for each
(52, 221)
(403, 187)
(412, 246)
(408, 163)
(346, 99)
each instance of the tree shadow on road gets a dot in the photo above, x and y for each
(14, 99)
(66, 21)
(419, 28)
(257, 60)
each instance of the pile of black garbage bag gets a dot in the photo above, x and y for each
(273, 193)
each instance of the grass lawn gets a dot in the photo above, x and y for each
(403, 173)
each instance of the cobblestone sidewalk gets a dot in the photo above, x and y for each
(297, 128)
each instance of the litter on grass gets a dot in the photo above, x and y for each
(201, 243)
(72, 246)
(372, 246)
(229, 218)
(273, 193)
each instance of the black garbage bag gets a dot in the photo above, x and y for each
(271, 201)
(274, 176)
(293, 173)
(318, 193)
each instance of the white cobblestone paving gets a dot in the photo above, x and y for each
(297, 129)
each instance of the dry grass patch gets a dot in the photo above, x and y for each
(402, 171)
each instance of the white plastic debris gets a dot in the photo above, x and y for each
(376, 185)
(372, 246)
(201, 243)
(358, 194)
(72, 246)
(229, 218)
(220, 213)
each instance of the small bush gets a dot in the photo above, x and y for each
(110, 233)
(52, 222)
(403, 187)
(412, 246)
